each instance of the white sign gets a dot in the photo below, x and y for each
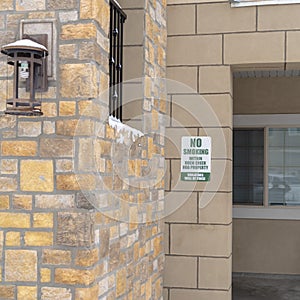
(195, 158)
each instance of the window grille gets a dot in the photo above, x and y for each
(117, 20)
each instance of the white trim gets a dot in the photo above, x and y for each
(266, 120)
(282, 213)
(243, 3)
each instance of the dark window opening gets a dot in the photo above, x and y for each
(248, 166)
(117, 20)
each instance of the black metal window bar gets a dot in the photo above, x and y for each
(117, 20)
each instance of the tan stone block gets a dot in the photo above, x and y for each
(29, 129)
(91, 109)
(214, 273)
(56, 257)
(75, 229)
(87, 258)
(64, 165)
(7, 121)
(202, 111)
(53, 293)
(61, 4)
(18, 148)
(181, 207)
(166, 238)
(121, 282)
(215, 208)
(186, 277)
(67, 108)
(222, 141)
(75, 182)
(25, 5)
(135, 70)
(185, 79)
(194, 50)
(78, 31)
(247, 48)
(6, 5)
(27, 292)
(90, 293)
(45, 274)
(14, 220)
(67, 51)
(179, 294)
(158, 245)
(8, 184)
(74, 276)
(86, 162)
(181, 19)
(202, 240)
(37, 175)
(1, 243)
(56, 147)
(41, 15)
(98, 10)
(167, 176)
(276, 17)
(20, 265)
(75, 127)
(42, 220)
(54, 201)
(221, 18)
(134, 35)
(48, 127)
(9, 166)
(215, 79)
(7, 292)
(293, 39)
(173, 140)
(12, 238)
(78, 80)
(4, 202)
(22, 202)
(49, 109)
(38, 238)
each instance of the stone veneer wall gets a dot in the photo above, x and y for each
(53, 243)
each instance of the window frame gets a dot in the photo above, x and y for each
(244, 3)
(116, 62)
(266, 211)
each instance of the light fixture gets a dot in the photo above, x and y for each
(30, 76)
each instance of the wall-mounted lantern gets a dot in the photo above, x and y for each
(30, 76)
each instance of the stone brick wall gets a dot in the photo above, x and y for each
(78, 213)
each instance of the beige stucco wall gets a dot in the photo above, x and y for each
(266, 246)
(266, 95)
(207, 41)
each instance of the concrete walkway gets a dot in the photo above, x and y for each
(265, 287)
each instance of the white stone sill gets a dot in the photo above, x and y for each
(268, 213)
(264, 2)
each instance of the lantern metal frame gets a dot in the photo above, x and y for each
(35, 55)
